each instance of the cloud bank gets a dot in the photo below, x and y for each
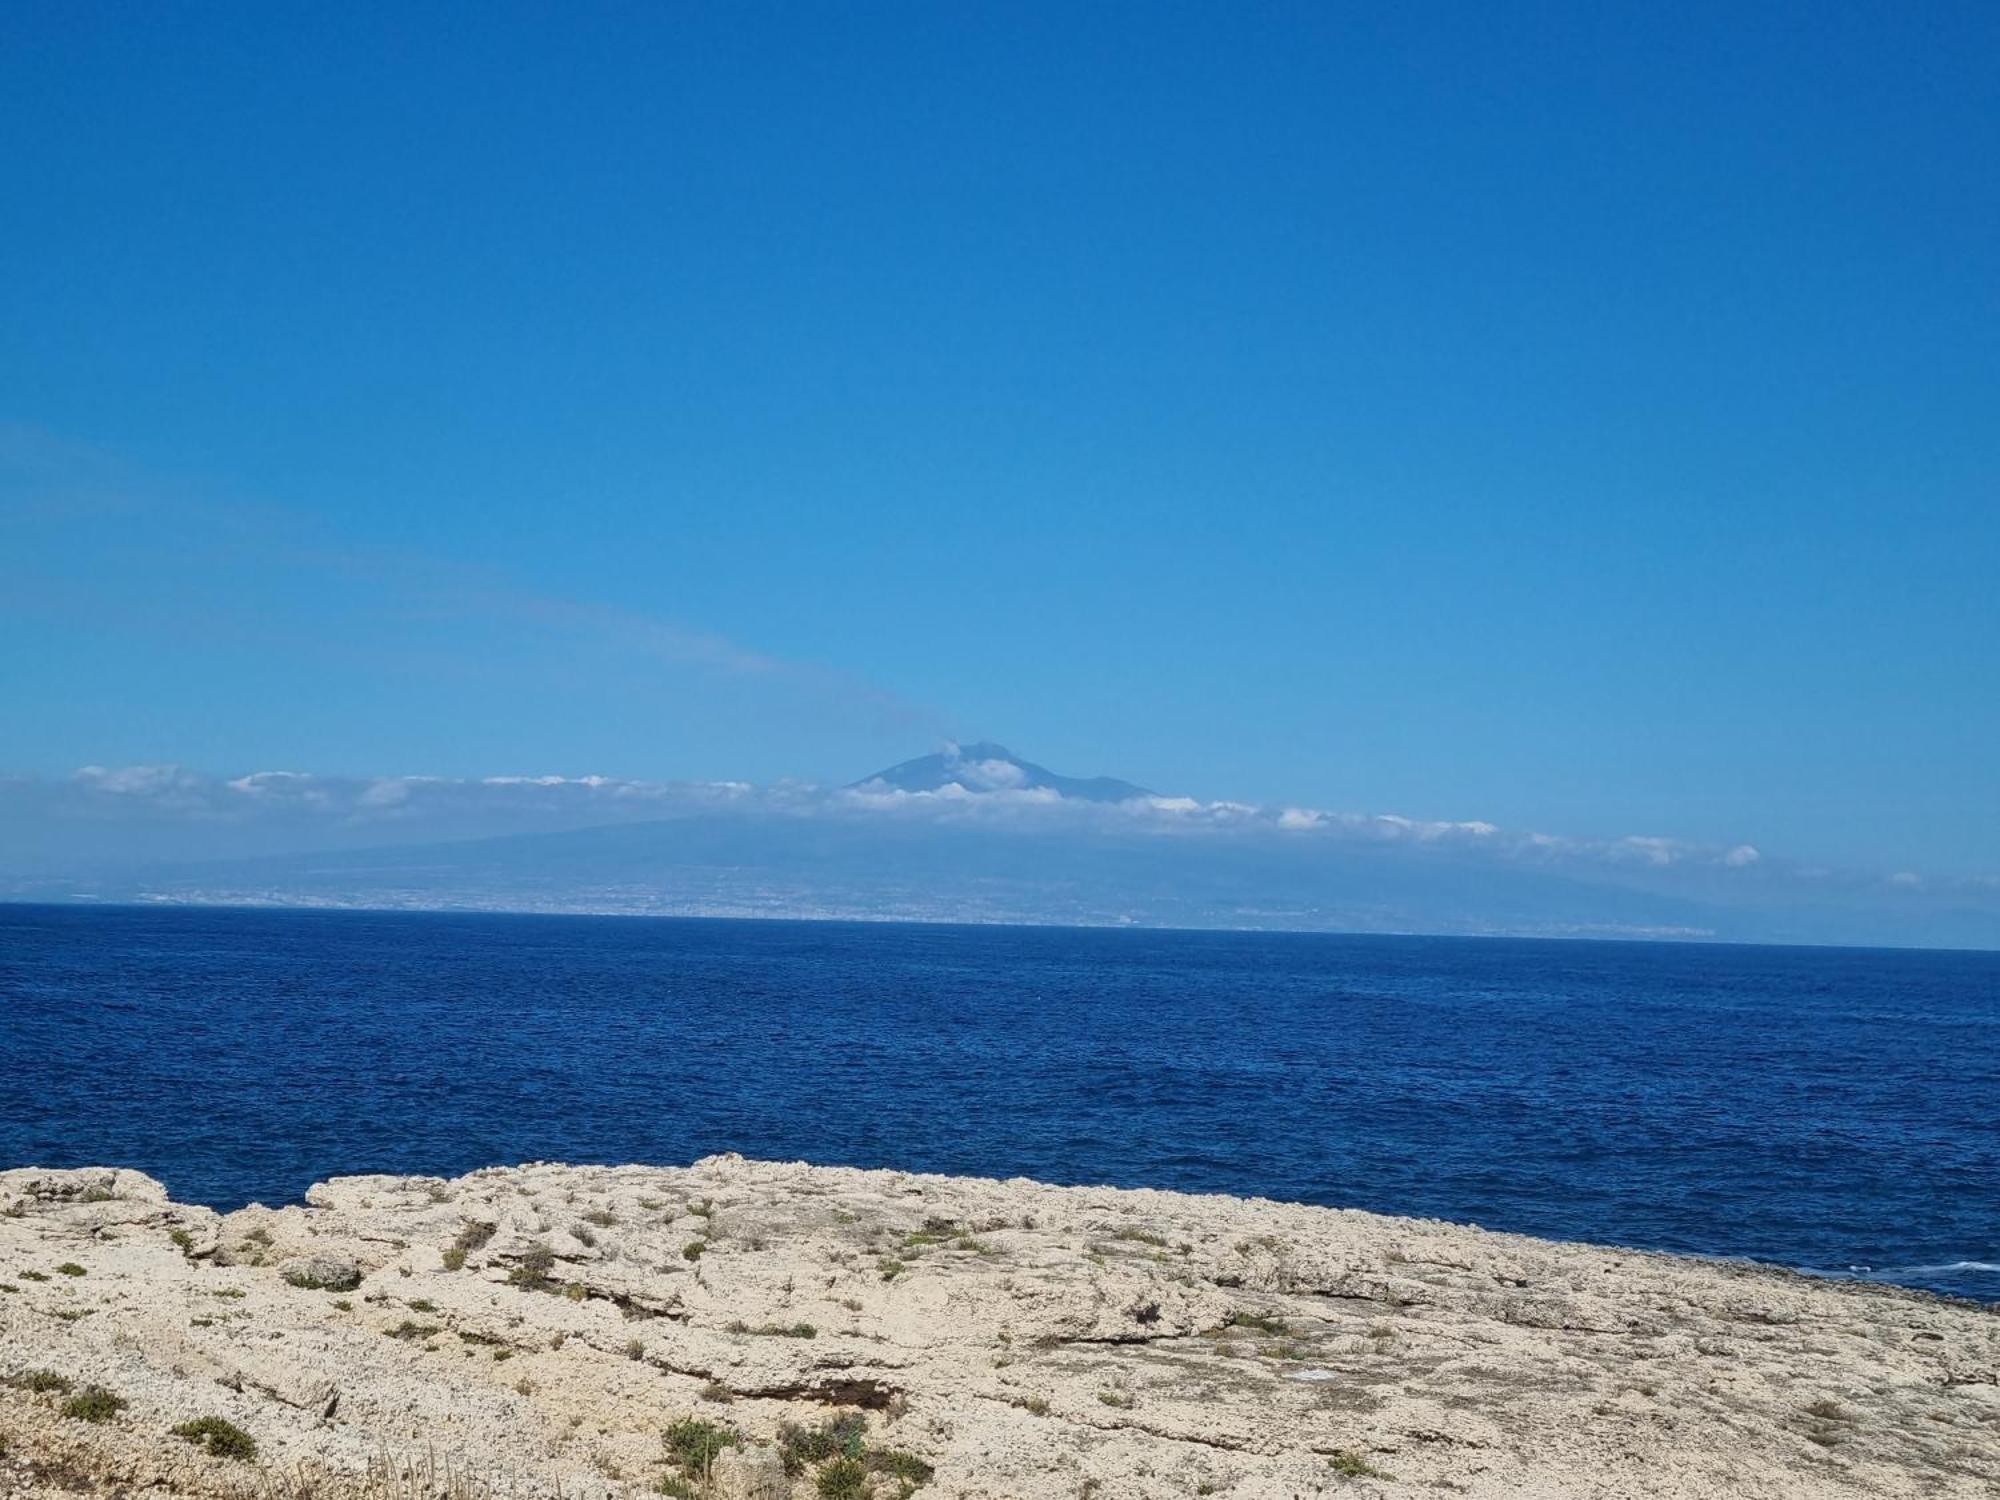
(154, 812)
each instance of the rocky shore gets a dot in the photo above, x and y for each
(775, 1331)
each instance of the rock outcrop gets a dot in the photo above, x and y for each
(766, 1330)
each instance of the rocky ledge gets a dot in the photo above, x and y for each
(775, 1331)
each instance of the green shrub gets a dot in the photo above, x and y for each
(94, 1404)
(910, 1472)
(454, 1259)
(1256, 1322)
(842, 1479)
(844, 1436)
(693, 1249)
(1351, 1465)
(71, 1268)
(39, 1380)
(693, 1445)
(220, 1436)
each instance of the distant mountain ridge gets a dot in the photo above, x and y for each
(990, 767)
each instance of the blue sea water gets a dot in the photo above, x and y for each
(1828, 1109)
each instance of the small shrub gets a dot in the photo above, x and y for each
(454, 1259)
(39, 1380)
(411, 1333)
(422, 1304)
(1351, 1465)
(891, 1269)
(94, 1404)
(475, 1234)
(911, 1472)
(693, 1249)
(343, 1305)
(603, 1218)
(34, 1276)
(677, 1488)
(635, 1349)
(576, 1291)
(844, 1436)
(97, 1193)
(71, 1268)
(1119, 1399)
(1036, 1406)
(1140, 1237)
(220, 1436)
(1256, 1322)
(693, 1444)
(182, 1240)
(842, 1479)
(716, 1391)
(258, 1237)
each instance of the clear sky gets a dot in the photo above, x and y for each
(1579, 417)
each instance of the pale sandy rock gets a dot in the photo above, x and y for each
(535, 1330)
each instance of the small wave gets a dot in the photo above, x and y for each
(1950, 1268)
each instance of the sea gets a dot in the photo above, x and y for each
(1835, 1111)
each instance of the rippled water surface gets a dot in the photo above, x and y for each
(1829, 1109)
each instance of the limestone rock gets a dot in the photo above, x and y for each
(977, 1340)
(320, 1272)
(751, 1474)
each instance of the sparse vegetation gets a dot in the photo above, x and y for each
(94, 1404)
(454, 1259)
(1351, 1465)
(842, 1479)
(693, 1249)
(71, 1268)
(42, 1381)
(324, 1277)
(181, 1239)
(221, 1437)
(411, 1332)
(1256, 1323)
(694, 1443)
(34, 1276)
(891, 1269)
(603, 1218)
(1120, 1399)
(532, 1270)
(844, 1436)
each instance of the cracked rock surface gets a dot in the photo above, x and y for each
(536, 1330)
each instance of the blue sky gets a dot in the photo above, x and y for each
(1581, 418)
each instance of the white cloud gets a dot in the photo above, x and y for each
(299, 810)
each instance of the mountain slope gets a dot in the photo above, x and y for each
(987, 767)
